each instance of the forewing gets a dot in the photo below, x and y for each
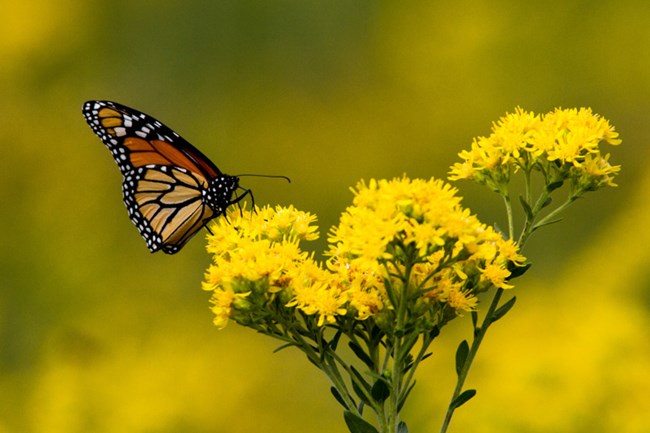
(136, 139)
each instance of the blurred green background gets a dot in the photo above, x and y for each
(99, 335)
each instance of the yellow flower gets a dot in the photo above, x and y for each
(256, 254)
(362, 284)
(313, 294)
(366, 302)
(222, 302)
(449, 248)
(402, 240)
(461, 300)
(496, 275)
(563, 145)
(509, 252)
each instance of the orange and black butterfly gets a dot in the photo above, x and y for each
(170, 188)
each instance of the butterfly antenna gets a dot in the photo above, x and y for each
(270, 176)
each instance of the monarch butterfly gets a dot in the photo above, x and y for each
(171, 190)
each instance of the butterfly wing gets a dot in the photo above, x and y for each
(136, 139)
(166, 205)
(171, 190)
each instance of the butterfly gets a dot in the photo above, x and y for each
(171, 190)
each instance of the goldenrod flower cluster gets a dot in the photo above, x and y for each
(563, 145)
(404, 259)
(405, 255)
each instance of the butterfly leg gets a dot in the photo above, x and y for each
(239, 198)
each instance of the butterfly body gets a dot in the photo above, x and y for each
(171, 190)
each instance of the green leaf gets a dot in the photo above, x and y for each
(337, 395)
(380, 391)
(527, 209)
(517, 271)
(359, 378)
(356, 424)
(461, 356)
(376, 334)
(474, 315)
(462, 398)
(402, 400)
(284, 346)
(407, 345)
(408, 360)
(496, 227)
(401, 427)
(553, 186)
(334, 342)
(360, 392)
(547, 223)
(363, 356)
(502, 310)
(319, 366)
(389, 292)
(360, 386)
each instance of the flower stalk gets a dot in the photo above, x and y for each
(405, 260)
(563, 147)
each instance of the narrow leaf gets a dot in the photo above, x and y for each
(498, 229)
(547, 223)
(313, 362)
(284, 346)
(408, 359)
(363, 356)
(401, 427)
(552, 187)
(337, 395)
(380, 391)
(461, 356)
(502, 310)
(376, 334)
(334, 342)
(474, 315)
(527, 209)
(356, 424)
(358, 377)
(462, 398)
(517, 271)
(360, 386)
(360, 392)
(401, 402)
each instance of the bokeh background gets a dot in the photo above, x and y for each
(99, 335)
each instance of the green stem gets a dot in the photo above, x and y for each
(476, 343)
(426, 342)
(530, 225)
(391, 406)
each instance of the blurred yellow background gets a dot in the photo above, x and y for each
(99, 335)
